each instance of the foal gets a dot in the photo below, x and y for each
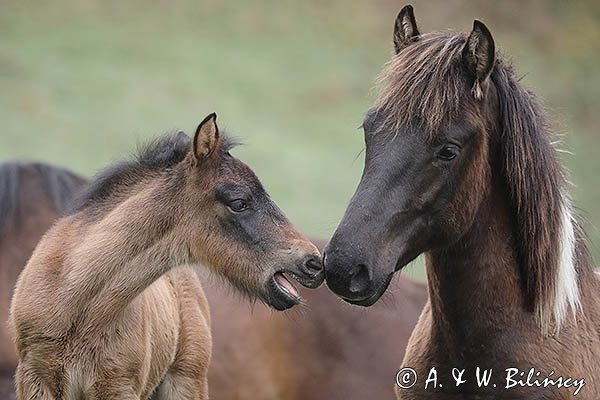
(460, 166)
(105, 308)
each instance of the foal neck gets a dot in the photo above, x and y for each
(123, 251)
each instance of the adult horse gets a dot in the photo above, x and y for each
(32, 195)
(255, 354)
(460, 166)
(106, 308)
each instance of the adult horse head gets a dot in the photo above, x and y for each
(452, 131)
(427, 165)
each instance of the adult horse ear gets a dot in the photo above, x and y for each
(479, 55)
(405, 28)
(206, 138)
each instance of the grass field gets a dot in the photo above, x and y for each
(81, 82)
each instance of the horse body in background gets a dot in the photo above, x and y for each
(32, 196)
(329, 347)
(106, 307)
(329, 350)
(459, 165)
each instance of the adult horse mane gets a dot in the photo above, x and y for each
(460, 165)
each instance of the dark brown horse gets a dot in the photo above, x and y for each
(257, 354)
(460, 166)
(32, 196)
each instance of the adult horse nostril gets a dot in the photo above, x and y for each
(360, 279)
(313, 264)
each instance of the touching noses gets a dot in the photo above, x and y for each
(312, 265)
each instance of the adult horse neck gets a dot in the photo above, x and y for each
(477, 316)
(475, 288)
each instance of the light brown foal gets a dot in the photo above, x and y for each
(107, 309)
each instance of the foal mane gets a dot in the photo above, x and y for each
(426, 84)
(156, 156)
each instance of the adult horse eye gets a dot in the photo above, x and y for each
(448, 152)
(238, 205)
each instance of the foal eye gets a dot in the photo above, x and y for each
(448, 152)
(238, 205)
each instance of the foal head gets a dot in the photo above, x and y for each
(452, 123)
(238, 230)
(215, 211)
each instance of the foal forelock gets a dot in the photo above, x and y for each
(426, 84)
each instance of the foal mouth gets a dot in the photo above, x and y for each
(285, 285)
(283, 294)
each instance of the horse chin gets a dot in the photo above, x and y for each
(376, 295)
(406, 259)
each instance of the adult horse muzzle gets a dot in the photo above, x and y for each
(350, 276)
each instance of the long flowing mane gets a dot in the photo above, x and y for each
(426, 85)
(59, 184)
(537, 186)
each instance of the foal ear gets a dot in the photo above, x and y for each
(479, 55)
(405, 28)
(206, 138)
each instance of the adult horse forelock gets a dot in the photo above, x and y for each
(106, 307)
(460, 165)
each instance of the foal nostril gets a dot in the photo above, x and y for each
(360, 279)
(313, 265)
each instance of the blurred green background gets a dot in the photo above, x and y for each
(81, 82)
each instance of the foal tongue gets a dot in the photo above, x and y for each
(286, 285)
